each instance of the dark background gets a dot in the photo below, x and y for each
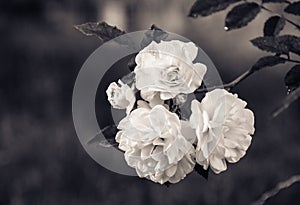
(41, 159)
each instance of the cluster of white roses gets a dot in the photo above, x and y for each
(159, 145)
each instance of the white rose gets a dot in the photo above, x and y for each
(121, 96)
(154, 145)
(167, 68)
(223, 127)
(152, 97)
(188, 132)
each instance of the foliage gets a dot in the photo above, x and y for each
(207, 7)
(102, 30)
(293, 8)
(273, 26)
(267, 61)
(240, 16)
(292, 78)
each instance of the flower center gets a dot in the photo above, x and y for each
(171, 76)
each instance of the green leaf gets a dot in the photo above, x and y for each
(199, 169)
(241, 15)
(208, 7)
(293, 8)
(292, 78)
(267, 61)
(102, 30)
(273, 26)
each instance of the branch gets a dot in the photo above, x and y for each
(295, 95)
(287, 20)
(279, 187)
(243, 76)
(105, 137)
(228, 86)
(291, 60)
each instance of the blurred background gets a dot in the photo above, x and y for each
(41, 158)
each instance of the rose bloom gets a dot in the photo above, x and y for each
(223, 127)
(154, 145)
(167, 69)
(121, 96)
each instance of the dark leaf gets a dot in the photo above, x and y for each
(273, 26)
(287, 102)
(292, 42)
(241, 15)
(108, 143)
(199, 169)
(293, 8)
(109, 133)
(274, 1)
(279, 44)
(130, 77)
(131, 64)
(100, 29)
(270, 44)
(155, 27)
(207, 7)
(267, 61)
(292, 78)
(154, 34)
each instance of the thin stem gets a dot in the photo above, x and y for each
(291, 22)
(292, 97)
(291, 60)
(202, 90)
(227, 86)
(287, 20)
(279, 187)
(239, 79)
(249, 72)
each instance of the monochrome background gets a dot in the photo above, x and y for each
(41, 158)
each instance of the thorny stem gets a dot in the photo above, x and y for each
(243, 76)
